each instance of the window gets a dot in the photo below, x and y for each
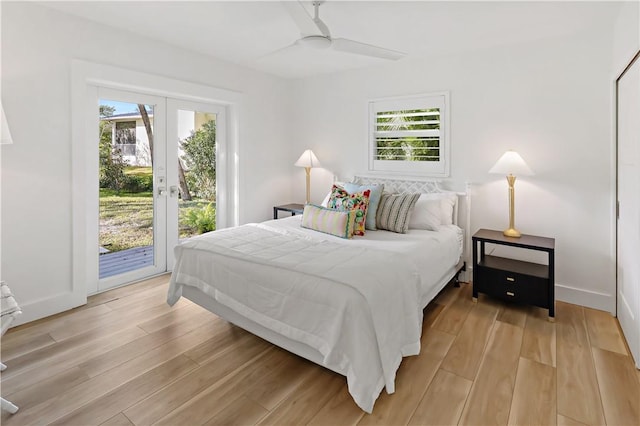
(124, 137)
(125, 133)
(410, 134)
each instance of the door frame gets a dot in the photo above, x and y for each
(85, 78)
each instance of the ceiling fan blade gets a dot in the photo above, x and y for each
(301, 17)
(277, 51)
(350, 46)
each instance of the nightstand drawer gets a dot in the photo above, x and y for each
(513, 286)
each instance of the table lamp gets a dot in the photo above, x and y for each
(308, 160)
(511, 164)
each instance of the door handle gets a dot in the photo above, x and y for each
(173, 190)
(162, 191)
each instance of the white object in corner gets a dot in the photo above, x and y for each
(10, 310)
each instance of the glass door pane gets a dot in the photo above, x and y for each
(126, 187)
(132, 188)
(195, 130)
(196, 172)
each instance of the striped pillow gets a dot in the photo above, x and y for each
(394, 211)
(330, 221)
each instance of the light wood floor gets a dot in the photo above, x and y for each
(127, 358)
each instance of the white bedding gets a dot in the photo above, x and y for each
(360, 306)
(434, 253)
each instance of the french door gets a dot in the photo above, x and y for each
(196, 133)
(132, 223)
(159, 179)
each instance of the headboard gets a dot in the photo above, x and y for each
(462, 208)
(423, 186)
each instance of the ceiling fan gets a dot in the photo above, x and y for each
(315, 34)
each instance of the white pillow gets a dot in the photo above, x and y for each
(325, 202)
(433, 210)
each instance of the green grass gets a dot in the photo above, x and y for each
(138, 171)
(105, 192)
(126, 219)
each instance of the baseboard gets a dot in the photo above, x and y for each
(63, 302)
(466, 276)
(565, 293)
(588, 298)
(42, 308)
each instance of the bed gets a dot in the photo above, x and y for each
(353, 306)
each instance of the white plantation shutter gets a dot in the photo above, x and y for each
(410, 135)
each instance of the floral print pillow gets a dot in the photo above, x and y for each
(340, 199)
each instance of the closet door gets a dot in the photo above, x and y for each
(628, 229)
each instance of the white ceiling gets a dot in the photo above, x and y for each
(243, 32)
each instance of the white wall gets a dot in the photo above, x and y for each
(37, 47)
(626, 36)
(549, 100)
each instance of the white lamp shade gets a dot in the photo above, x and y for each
(308, 159)
(5, 135)
(511, 164)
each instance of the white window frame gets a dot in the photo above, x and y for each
(423, 101)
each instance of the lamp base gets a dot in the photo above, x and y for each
(511, 232)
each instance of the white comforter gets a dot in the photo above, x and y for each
(435, 254)
(358, 306)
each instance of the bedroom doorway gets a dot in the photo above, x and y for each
(158, 183)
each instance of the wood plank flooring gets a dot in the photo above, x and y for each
(126, 358)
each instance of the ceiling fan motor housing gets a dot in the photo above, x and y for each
(315, 41)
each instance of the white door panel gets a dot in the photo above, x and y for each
(628, 241)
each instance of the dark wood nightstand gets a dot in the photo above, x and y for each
(294, 209)
(514, 280)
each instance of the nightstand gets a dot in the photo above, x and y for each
(294, 209)
(511, 279)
